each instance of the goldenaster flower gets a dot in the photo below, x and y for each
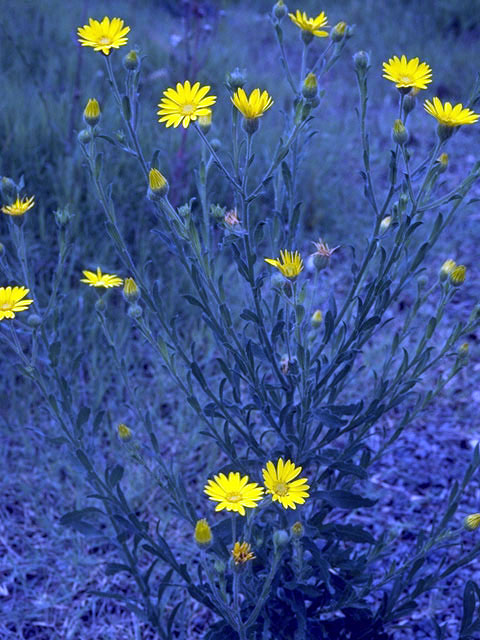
(290, 264)
(407, 73)
(281, 483)
(254, 106)
(11, 301)
(312, 25)
(100, 279)
(184, 104)
(242, 553)
(19, 207)
(104, 35)
(448, 115)
(233, 493)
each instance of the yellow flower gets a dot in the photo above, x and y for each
(407, 74)
(233, 493)
(101, 280)
(472, 521)
(11, 301)
(203, 533)
(448, 115)
(91, 113)
(242, 552)
(311, 25)
(253, 106)
(19, 207)
(290, 264)
(185, 104)
(283, 487)
(104, 35)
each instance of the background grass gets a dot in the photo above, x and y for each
(46, 571)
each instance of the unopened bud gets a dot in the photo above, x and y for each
(84, 136)
(338, 32)
(236, 79)
(446, 269)
(280, 10)
(8, 189)
(399, 133)
(280, 539)
(361, 60)
(203, 533)
(316, 319)
(91, 113)
(472, 521)
(157, 184)
(124, 433)
(131, 292)
(310, 87)
(205, 122)
(63, 216)
(385, 224)
(134, 311)
(34, 320)
(218, 212)
(297, 529)
(457, 275)
(215, 144)
(219, 566)
(131, 61)
(442, 162)
(422, 282)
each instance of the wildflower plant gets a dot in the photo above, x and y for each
(279, 547)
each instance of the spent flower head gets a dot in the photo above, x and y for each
(103, 36)
(185, 104)
(12, 301)
(242, 553)
(281, 483)
(100, 279)
(19, 207)
(322, 255)
(233, 493)
(290, 263)
(407, 74)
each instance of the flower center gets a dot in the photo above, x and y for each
(281, 488)
(187, 109)
(405, 78)
(5, 306)
(234, 497)
(104, 40)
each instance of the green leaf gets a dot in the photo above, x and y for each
(354, 533)
(344, 499)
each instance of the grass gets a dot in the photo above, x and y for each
(47, 571)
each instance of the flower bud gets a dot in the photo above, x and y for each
(472, 521)
(297, 529)
(131, 292)
(91, 113)
(34, 320)
(157, 184)
(63, 216)
(457, 275)
(280, 539)
(134, 311)
(409, 103)
(84, 136)
(361, 60)
(8, 189)
(442, 162)
(205, 122)
(399, 133)
(279, 10)
(422, 282)
(219, 566)
(131, 61)
(310, 87)
(100, 305)
(203, 533)
(463, 352)
(124, 433)
(445, 270)
(316, 319)
(338, 32)
(215, 144)
(236, 79)
(218, 212)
